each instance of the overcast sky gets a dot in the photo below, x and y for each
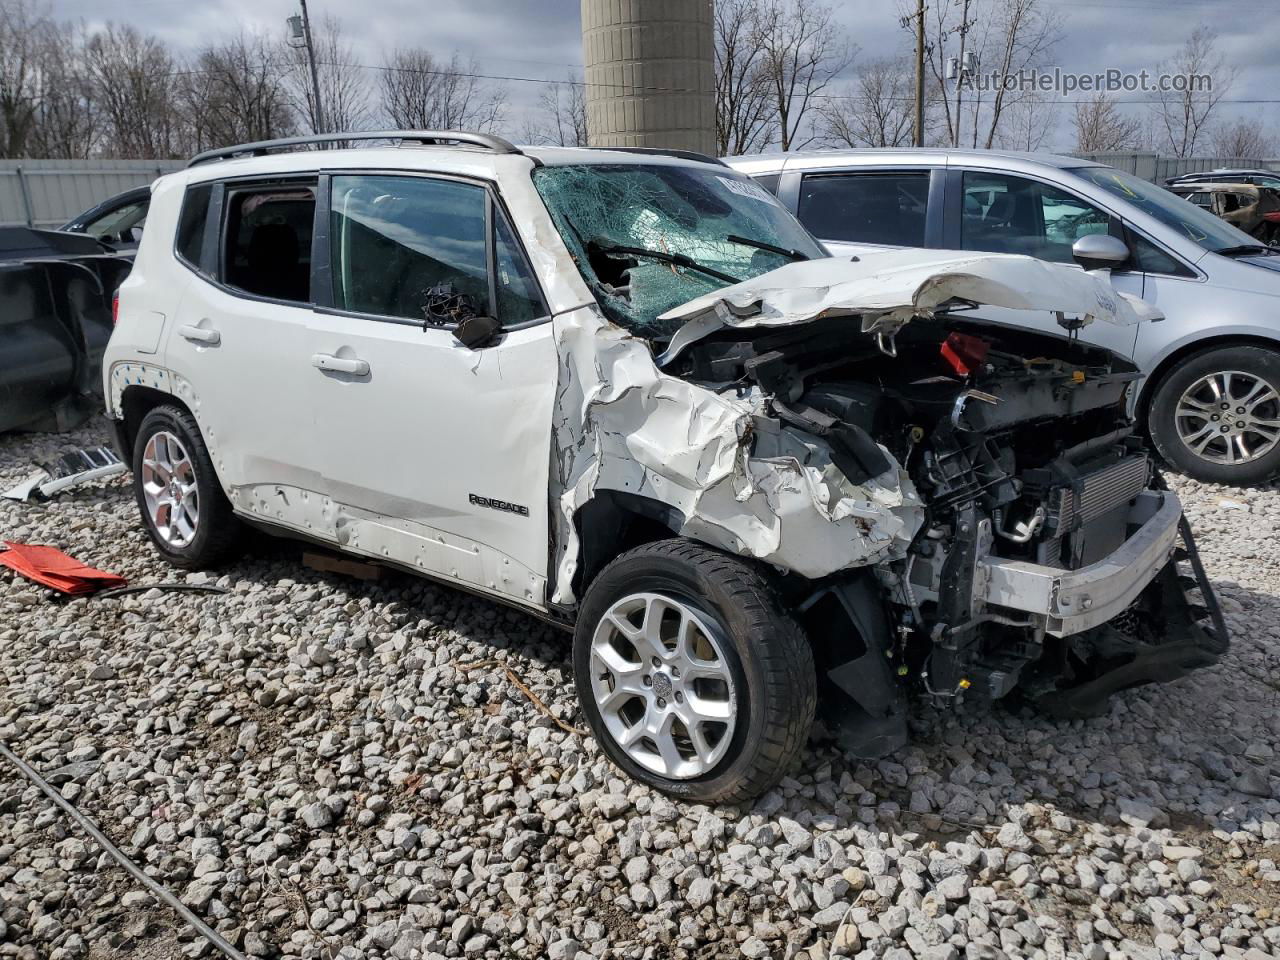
(541, 39)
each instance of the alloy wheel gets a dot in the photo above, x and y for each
(1229, 417)
(662, 684)
(169, 489)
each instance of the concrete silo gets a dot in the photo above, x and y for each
(649, 73)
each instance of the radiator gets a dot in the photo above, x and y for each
(1089, 498)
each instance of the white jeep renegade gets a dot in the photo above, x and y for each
(625, 391)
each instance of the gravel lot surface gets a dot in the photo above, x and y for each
(304, 762)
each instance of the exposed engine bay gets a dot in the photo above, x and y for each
(1027, 464)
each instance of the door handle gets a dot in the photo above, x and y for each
(326, 361)
(200, 335)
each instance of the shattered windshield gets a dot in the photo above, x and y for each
(649, 237)
(1189, 220)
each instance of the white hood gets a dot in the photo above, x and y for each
(889, 288)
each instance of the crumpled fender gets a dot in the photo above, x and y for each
(621, 424)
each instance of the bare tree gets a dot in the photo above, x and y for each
(878, 111)
(744, 107)
(134, 83)
(803, 53)
(1184, 115)
(67, 122)
(1026, 122)
(344, 92)
(21, 25)
(947, 26)
(1101, 127)
(1007, 37)
(421, 92)
(563, 115)
(1246, 139)
(242, 91)
(1018, 36)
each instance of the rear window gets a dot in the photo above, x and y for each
(883, 208)
(268, 241)
(195, 213)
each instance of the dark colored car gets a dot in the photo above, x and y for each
(117, 222)
(56, 291)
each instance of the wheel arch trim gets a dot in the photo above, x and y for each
(1189, 346)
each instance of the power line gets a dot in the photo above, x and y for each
(389, 68)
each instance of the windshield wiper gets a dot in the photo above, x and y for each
(676, 259)
(1247, 249)
(771, 248)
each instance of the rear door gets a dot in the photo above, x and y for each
(238, 347)
(436, 455)
(1009, 213)
(854, 211)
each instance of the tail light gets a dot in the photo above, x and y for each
(115, 309)
(1273, 217)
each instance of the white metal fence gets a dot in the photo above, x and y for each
(48, 193)
(1158, 169)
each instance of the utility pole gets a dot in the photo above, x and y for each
(300, 29)
(919, 131)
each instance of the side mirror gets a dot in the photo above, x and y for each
(476, 332)
(1099, 251)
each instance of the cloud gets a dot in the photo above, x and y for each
(541, 38)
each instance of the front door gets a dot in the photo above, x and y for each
(1003, 213)
(436, 455)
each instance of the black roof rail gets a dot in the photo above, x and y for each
(263, 147)
(659, 151)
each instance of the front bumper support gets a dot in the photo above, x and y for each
(1072, 601)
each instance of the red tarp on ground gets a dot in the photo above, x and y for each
(53, 568)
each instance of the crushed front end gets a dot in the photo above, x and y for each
(1051, 560)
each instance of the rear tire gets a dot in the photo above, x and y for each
(714, 702)
(182, 504)
(1191, 395)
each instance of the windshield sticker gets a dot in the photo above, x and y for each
(748, 188)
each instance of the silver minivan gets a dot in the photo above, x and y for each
(1211, 394)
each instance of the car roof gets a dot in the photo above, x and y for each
(817, 159)
(1216, 186)
(1201, 174)
(463, 160)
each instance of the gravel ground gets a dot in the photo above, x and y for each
(305, 762)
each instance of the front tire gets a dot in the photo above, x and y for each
(1216, 415)
(182, 504)
(693, 677)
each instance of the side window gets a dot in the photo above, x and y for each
(189, 243)
(268, 240)
(518, 297)
(769, 181)
(117, 225)
(410, 247)
(886, 208)
(1149, 258)
(1006, 214)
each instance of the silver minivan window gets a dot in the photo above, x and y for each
(1189, 220)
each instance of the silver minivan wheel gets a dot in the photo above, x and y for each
(663, 687)
(1229, 417)
(169, 489)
